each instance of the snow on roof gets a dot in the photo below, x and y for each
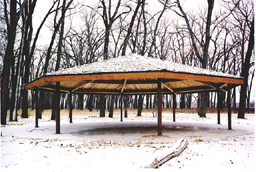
(137, 63)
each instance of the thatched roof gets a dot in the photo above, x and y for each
(134, 74)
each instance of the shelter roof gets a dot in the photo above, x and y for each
(134, 74)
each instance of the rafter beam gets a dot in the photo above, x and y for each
(168, 87)
(123, 87)
(224, 85)
(212, 85)
(52, 89)
(81, 84)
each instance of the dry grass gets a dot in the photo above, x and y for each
(76, 112)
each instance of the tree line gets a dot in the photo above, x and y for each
(218, 36)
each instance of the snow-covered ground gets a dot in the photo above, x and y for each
(106, 143)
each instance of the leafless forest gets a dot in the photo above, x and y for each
(218, 36)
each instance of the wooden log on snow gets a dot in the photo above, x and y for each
(177, 149)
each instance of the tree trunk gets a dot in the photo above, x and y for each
(204, 59)
(202, 104)
(111, 108)
(249, 91)
(245, 72)
(156, 29)
(182, 101)
(8, 59)
(56, 29)
(62, 23)
(14, 87)
(234, 98)
(147, 101)
(155, 102)
(203, 96)
(41, 104)
(130, 27)
(140, 105)
(135, 105)
(189, 100)
(27, 40)
(167, 101)
(116, 101)
(53, 106)
(102, 105)
(33, 100)
(106, 43)
(89, 102)
(150, 101)
(81, 102)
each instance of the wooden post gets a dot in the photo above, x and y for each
(174, 107)
(159, 97)
(37, 108)
(121, 107)
(218, 105)
(125, 107)
(70, 107)
(229, 109)
(57, 107)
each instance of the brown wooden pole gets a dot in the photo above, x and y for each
(37, 108)
(57, 108)
(218, 106)
(159, 97)
(174, 107)
(70, 107)
(121, 107)
(229, 109)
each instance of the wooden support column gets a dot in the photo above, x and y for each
(121, 107)
(57, 119)
(125, 107)
(174, 107)
(229, 109)
(159, 98)
(70, 107)
(218, 106)
(37, 108)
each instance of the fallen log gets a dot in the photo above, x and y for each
(177, 149)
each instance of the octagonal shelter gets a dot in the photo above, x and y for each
(132, 75)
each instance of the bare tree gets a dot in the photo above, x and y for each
(204, 57)
(56, 27)
(166, 5)
(139, 2)
(59, 51)
(109, 19)
(11, 19)
(245, 72)
(28, 30)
